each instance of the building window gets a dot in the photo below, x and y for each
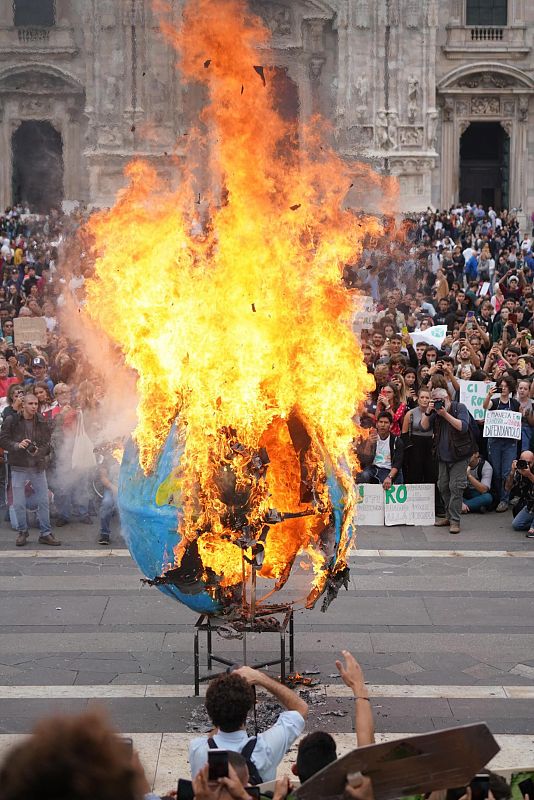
(34, 13)
(486, 12)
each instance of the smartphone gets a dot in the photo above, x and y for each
(185, 790)
(501, 363)
(525, 787)
(254, 791)
(470, 314)
(217, 764)
(480, 787)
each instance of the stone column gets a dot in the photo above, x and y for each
(449, 148)
(5, 159)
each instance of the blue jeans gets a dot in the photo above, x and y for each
(374, 474)
(107, 509)
(71, 494)
(523, 520)
(526, 436)
(501, 453)
(40, 498)
(476, 500)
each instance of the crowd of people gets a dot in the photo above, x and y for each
(469, 271)
(82, 758)
(56, 462)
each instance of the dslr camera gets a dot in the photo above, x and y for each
(439, 404)
(522, 464)
(32, 449)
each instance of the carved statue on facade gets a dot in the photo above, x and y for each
(277, 17)
(412, 13)
(523, 109)
(431, 128)
(393, 124)
(362, 16)
(381, 127)
(413, 96)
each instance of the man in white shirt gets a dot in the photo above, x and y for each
(229, 698)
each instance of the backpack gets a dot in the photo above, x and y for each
(254, 776)
(463, 444)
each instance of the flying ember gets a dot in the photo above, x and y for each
(249, 373)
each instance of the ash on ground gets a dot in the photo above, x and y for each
(268, 711)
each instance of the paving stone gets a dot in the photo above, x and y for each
(483, 672)
(524, 670)
(406, 668)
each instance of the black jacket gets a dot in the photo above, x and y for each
(13, 432)
(396, 449)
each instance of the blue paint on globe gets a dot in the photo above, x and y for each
(150, 530)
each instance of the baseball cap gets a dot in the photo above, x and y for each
(38, 362)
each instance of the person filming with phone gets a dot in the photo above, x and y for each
(501, 450)
(454, 446)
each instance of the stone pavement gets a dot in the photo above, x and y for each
(441, 624)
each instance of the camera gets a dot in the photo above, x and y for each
(439, 404)
(522, 464)
(32, 449)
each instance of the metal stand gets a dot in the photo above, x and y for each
(284, 626)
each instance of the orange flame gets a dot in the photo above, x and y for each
(234, 330)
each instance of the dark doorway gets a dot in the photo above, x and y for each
(37, 166)
(485, 165)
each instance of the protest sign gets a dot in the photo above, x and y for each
(483, 290)
(365, 313)
(503, 424)
(370, 511)
(432, 336)
(29, 330)
(472, 395)
(409, 504)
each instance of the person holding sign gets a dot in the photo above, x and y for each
(501, 449)
(527, 413)
(454, 447)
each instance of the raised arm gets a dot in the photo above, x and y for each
(285, 696)
(352, 675)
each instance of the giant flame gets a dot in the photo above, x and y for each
(241, 334)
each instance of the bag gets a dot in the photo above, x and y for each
(83, 456)
(463, 444)
(254, 776)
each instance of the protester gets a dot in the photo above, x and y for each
(502, 450)
(26, 438)
(78, 757)
(477, 494)
(454, 448)
(229, 698)
(520, 485)
(383, 453)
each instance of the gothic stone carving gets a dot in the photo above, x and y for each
(462, 108)
(485, 105)
(412, 13)
(508, 106)
(486, 80)
(410, 136)
(362, 16)
(448, 109)
(523, 109)
(507, 125)
(413, 96)
(360, 135)
(277, 17)
(431, 129)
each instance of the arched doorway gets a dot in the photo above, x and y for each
(485, 165)
(37, 152)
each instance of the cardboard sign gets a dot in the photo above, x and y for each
(432, 336)
(413, 765)
(484, 289)
(370, 511)
(29, 330)
(503, 424)
(409, 504)
(365, 313)
(472, 395)
(403, 504)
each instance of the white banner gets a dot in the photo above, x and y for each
(503, 424)
(405, 504)
(472, 395)
(370, 511)
(432, 336)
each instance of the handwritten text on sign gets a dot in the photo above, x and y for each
(503, 424)
(472, 395)
(403, 504)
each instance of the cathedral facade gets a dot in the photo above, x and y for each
(439, 95)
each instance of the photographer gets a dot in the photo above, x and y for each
(454, 447)
(26, 437)
(520, 485)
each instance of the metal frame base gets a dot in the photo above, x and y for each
(208, 624)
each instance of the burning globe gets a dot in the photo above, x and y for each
(238, 326)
